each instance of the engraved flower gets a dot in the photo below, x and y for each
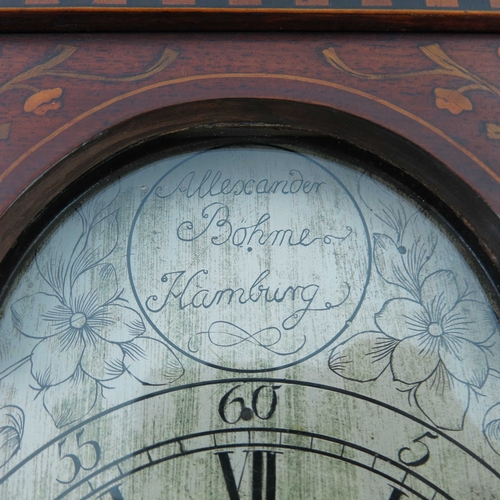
(43, 101)
(85, 331)
(442, 327)
(452, 100)
(83, 340)
(87, 334)
(435, 344)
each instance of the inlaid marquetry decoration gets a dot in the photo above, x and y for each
(333, 5)
(452, 100)
(249, 322)
(42, 100)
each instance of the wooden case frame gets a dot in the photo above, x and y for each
(64, 110)
(421, 108)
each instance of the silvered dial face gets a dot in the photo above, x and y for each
(248, 323)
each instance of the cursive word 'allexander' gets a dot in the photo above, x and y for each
(212, 185)
(189, 293)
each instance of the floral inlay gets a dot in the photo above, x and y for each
(43, 101)
(453, 100)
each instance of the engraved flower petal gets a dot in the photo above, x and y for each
(43, 101)
(415, 358)
(452, 100)
(443, 399)
(151, 361)
(471, 320)
(55, 359)
(116, 323)
(71, 400)
(402, 318)
(40, 315)
(464, 360)
(363, 357)
(439, 294)
(102, 360)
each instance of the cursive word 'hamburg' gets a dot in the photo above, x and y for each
(186, 293)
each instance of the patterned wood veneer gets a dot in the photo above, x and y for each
(333, 5)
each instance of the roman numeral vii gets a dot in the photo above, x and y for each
(263, 479)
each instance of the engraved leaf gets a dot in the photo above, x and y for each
(55, 257)
(363, 357)
(100, 242)
(151, 361)
(491, 427)
(95, 207)
(389, 263)
(11, 432)
(418, 244)
(380, 201)
(71, 400)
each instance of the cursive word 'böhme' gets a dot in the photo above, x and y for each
(257, 234)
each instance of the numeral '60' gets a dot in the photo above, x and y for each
(246, 413)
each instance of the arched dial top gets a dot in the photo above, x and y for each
(249, 322)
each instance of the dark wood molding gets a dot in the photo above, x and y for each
(229, 121)
(118, 19)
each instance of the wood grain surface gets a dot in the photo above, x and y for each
(151, 16)
(68, 102)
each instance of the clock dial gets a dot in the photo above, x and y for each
(255, 443)
(249, 323)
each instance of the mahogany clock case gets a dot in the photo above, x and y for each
(418, 111)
